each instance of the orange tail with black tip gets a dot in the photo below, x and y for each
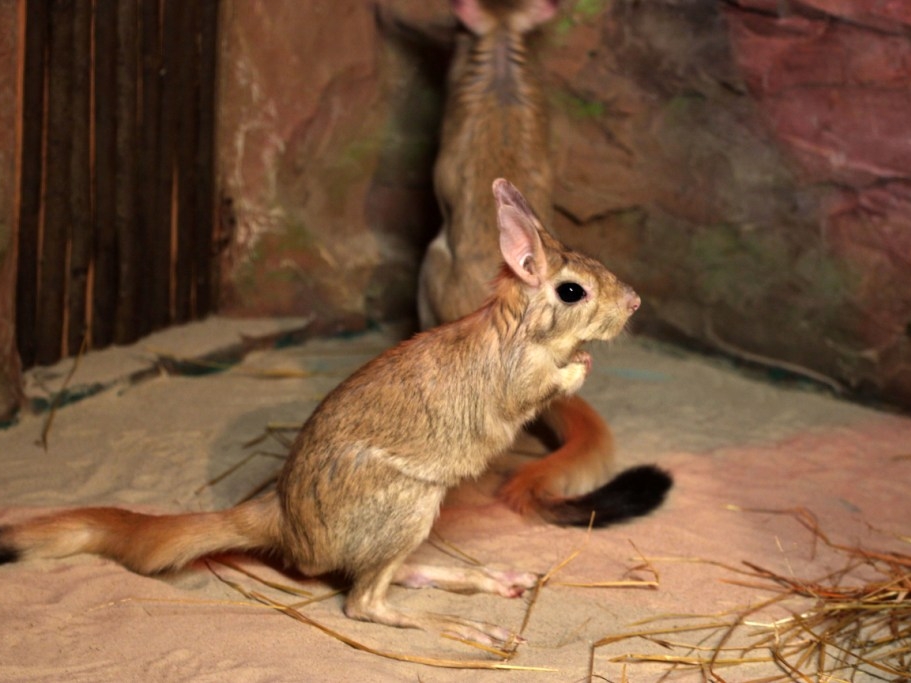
(573, 482)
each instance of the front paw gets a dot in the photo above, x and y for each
(573, 374)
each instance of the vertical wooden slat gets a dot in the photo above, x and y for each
(117, 192)
(170, 121)
(205, 156)
(105, 285)
(12, 60)
(129, 251)
(80, 178)
(57, 214)
(153, 225)
(184, 55)
(31, 169)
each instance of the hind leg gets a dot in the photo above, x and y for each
(367, 601)
(509, 584)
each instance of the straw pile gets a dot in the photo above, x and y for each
(846, 626)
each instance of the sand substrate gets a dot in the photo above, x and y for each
(153, 441)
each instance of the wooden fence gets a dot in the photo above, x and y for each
(117, 192)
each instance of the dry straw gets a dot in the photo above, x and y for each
(61, 394)
(277, 431)
(500, 658)
(293, 611)
(848, 627)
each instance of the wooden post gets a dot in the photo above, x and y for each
(30, 177)
(117, 191)
(12, 59)
(105, 285)
(57, 210)
(153, 222)
(186, 57)
(81, 246)
(129, 247)
(205, 157)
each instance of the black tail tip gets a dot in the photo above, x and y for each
(7, 552)
(632, 493)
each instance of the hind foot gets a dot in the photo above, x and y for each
(509, 584)
(479, 632)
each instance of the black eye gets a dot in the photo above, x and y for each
(570, 292)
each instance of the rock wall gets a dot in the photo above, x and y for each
(326, 140)
(832, 81)
(744, 164)
(754, 178)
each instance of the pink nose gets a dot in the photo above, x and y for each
(632, 301)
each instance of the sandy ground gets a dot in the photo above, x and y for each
(733, 442)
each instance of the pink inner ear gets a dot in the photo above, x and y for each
(543, 10)
(470, 13)
(520, 245)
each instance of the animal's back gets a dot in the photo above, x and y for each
(495, 125)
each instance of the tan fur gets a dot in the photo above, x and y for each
(360, 491)
(496, 124)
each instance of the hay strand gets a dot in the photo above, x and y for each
(299, 616)
(61, 393)
(451, 549)
(235, 467)
(849, 626)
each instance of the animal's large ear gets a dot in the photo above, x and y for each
(480, 21)
(473, 16)
(520, 242)
(534, 14)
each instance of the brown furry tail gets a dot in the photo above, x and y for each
(145, 543)
(573, 481)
